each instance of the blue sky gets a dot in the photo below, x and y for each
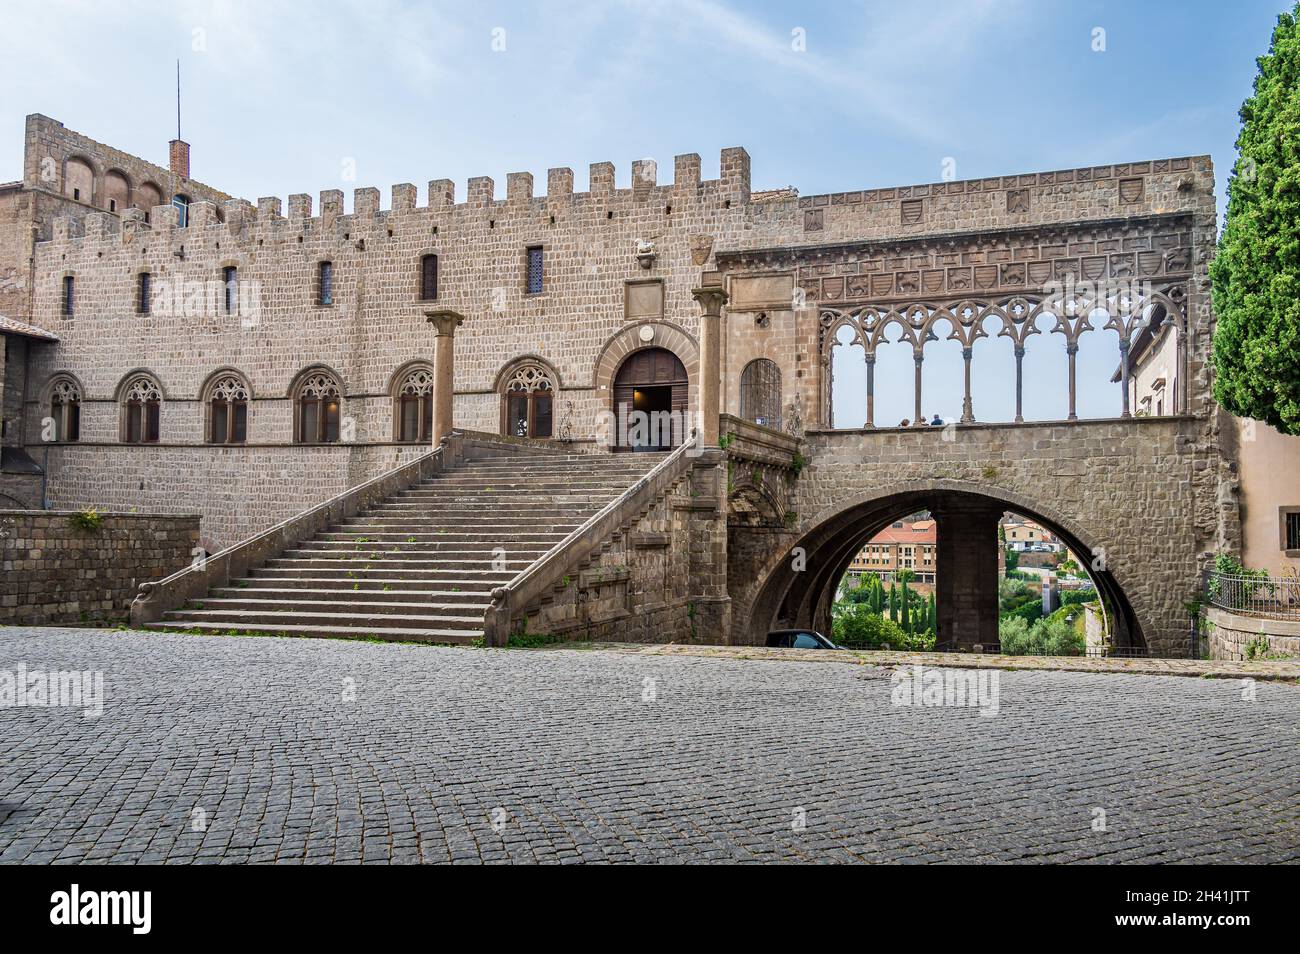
(277, 100)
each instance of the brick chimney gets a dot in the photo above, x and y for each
(180, 158)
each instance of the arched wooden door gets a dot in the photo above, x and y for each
(650, 401)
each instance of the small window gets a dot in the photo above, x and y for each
(534, 269)
(325, 283)
(428, 277)
(69, 287)
(182, 205)
(142, 289)
(230, 284)
(1292, 529)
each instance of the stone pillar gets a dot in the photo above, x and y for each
(1020, 381)
(919, 419)
(709, 610)
(445, 324)
(711, 300)
(967, 408)
(871, 389)
(966, 571)
(1072, 349)
(1123, 378)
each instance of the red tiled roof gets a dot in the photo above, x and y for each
(13, 326)
(921, 532)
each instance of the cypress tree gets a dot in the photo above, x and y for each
(1256, 272)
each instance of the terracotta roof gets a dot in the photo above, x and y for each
(921, 532)
(12, 326)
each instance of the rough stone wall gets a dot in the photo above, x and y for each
(237, 490)
(1231, 636)
(13, 387)
(15, 250)
(639, 588)
(56, 572)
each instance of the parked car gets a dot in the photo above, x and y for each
(798, 639)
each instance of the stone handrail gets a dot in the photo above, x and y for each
(566, 556)
(193, 582)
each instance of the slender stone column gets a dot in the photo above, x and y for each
(711, 300)
(445, 324)
(967, 408)
(966, 571)
(1072, 349)
(871, 390)
(918, 419)
(1123, 364)
(1020, 358)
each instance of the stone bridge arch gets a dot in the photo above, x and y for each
(787, 596)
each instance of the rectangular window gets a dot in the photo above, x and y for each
(326, 281)
(230, 279)
(429, 277)
(68, 285)
(142, 294)
(534, 269)
(1292, 530)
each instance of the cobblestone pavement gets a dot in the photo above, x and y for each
(479, 755)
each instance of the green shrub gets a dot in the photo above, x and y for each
(1048, 637)
(88, 520)
(855, 626)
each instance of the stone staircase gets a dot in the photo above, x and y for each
(420, 565)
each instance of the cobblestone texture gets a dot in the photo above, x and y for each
(255, 733)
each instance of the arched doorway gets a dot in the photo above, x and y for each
(650, 401)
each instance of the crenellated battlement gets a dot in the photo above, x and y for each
(327, 210)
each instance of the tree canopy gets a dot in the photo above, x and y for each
(1256, 271)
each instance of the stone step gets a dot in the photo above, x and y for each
(518, 535)
(227, 596)
(270, 620)
(434, 544)
(385, 633)
(313, 561)
(370, 604)
(451, 570)
(290, 586)
(362, 541)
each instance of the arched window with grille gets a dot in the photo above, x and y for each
(413, 406)
(141, 410)
(228, 410)
(65, 410)
(528, 400)
(760, 393)
(317, 402)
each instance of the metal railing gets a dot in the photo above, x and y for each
(1250, 594)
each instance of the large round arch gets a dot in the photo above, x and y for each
(636, 337)
(799, 592)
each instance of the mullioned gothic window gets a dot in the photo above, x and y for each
(413, 406)
(316, 409)
(141, 411)
(529, 395)
(228, 411)
(65, 410)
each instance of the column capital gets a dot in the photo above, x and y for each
(711, 299)
(444, 321)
